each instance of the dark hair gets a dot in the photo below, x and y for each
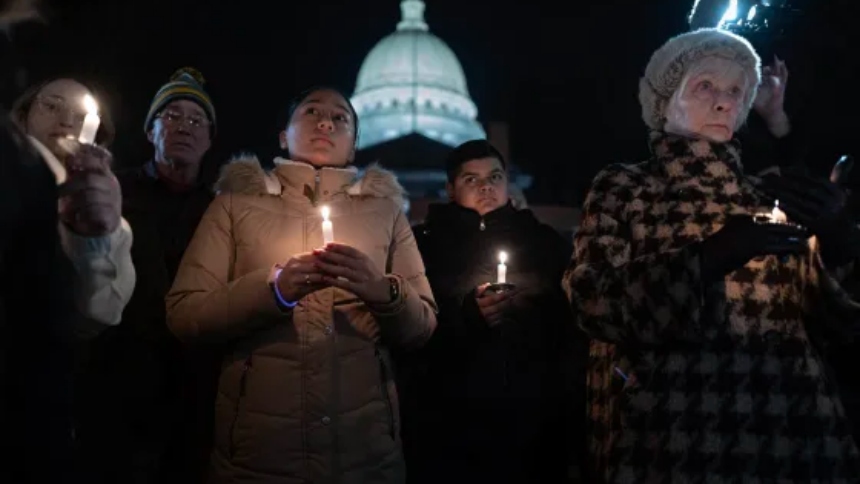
(21, 109)
(468, 151)
(300, 98)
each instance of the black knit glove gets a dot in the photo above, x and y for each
(821, 206)
(742, 239)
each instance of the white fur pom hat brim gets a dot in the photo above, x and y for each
(670, 63)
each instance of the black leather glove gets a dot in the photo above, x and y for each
(821, 206)
(741, 239)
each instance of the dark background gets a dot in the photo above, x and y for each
(563, 74)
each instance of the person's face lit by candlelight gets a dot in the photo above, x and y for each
(321, 130)
(180, 134)
(481, 185)
(708, 102)
(56, 112)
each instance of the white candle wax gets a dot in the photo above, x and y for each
(502, 270)
(777, 215)
(91, 121)
(327, 228)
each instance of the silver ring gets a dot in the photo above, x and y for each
(308, 279)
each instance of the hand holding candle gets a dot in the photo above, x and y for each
(91, 121)
(350, 269)
(90, 200)
(495, 301)
(820, 206)
(327, 228)
(299, 277)
(775, 216)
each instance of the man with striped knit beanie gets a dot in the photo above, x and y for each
(180, 125)
(151, 399)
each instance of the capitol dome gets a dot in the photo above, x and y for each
(411, 82)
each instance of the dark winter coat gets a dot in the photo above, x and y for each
(37, 317)
(493, 404)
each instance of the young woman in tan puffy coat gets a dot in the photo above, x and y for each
(306, 394)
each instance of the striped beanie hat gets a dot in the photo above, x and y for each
(186, 83)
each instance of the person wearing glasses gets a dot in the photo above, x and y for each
(51, 261)
(149, 414)
(93, 234)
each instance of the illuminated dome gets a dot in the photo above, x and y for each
(411, 82)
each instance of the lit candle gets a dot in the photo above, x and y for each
(502, 272)
(91, 121)
(327, 228)
(777, 215)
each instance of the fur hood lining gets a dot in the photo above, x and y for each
(244, 175)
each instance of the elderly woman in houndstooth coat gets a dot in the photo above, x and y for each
(703, 366)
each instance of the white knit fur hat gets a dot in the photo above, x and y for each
(670, 63)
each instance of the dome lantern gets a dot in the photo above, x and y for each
(413, 15)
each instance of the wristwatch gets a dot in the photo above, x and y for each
(393, 289)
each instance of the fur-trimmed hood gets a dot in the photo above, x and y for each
(244, 175)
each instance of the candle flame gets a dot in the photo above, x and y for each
(325, 212)
(90, 105)
(503, 257)
(777, 215)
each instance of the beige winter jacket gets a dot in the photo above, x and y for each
(304, 397)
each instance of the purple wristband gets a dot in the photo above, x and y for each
(277, 291)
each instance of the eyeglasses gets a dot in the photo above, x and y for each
(57, 107)
(175, 118)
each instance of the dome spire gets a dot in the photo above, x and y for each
(413, 15)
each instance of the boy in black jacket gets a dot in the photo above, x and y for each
(491, 397)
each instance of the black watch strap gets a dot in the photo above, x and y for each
(394, 288)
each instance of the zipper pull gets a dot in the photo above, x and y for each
(317, 185)
(483, 226)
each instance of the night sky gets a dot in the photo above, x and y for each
(565, 80)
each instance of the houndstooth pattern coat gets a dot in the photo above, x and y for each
(687, 383)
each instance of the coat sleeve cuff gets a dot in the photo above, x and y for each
(82, 247)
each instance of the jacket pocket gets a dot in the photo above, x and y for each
(386, 395)
(246, 367)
